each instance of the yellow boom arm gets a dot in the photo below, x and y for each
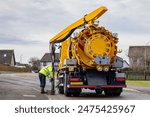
(87, 19)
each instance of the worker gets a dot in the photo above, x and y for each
(43, 73)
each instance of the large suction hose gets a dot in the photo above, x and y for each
(52, 56)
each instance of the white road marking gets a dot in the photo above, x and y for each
(133, 90)
(29, 95)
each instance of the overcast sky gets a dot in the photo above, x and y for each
(27, 25)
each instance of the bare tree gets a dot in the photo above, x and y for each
(35, 63)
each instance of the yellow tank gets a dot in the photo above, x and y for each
(91, 42)
(93, 47)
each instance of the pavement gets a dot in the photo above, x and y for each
(139, 88)
(20, 86)
(25, 86)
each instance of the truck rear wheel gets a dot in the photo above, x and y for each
(98, 91)
(60, 86)
(117, 92)
(76, 92)
(108, 92)
(61, 90)
(113, 92)
(66, 89)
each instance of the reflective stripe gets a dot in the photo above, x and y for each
(76, 83)
(47, 71)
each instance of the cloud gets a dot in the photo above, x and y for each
(34, 22)
(16, 41)
(29, 17)
(128, 16)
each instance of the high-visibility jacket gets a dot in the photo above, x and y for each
(47, 71)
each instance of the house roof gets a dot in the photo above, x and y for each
(138, 51)
(6, 56)
(47, 57)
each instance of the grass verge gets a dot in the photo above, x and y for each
(145, 83)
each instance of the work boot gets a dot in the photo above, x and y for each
(42, 90)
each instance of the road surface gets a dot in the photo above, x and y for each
(25, 86)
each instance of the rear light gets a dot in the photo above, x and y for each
(120, 79)
(74, 79)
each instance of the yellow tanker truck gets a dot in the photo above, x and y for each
(88, 59)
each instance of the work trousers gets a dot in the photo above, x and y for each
(42, 80)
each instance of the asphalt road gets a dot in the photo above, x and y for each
(25, 86)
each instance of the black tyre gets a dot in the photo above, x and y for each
(108, 92)
(98, 91)
(66, 90)
(113, 92)
(117, 92)
(76, 92)
(60, 86)
(61, 90)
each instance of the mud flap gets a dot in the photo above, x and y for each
(97, 78)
